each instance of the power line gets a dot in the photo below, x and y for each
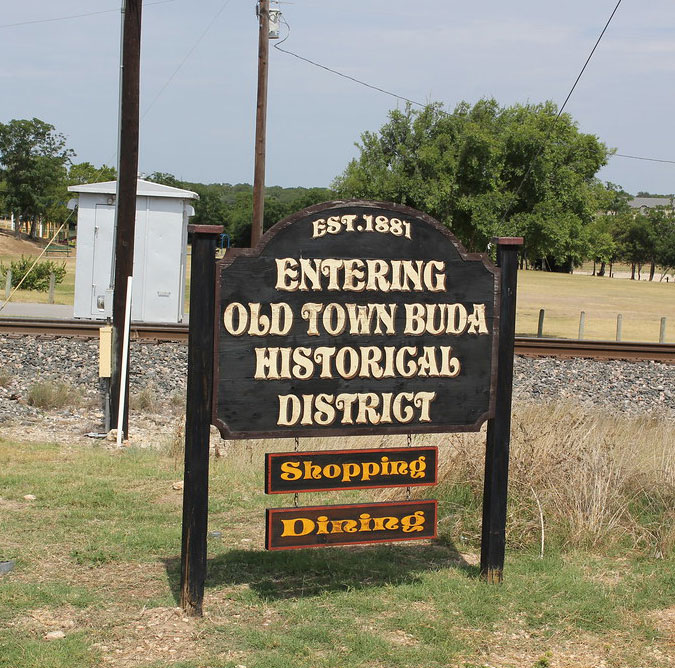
(277, 46)
(185, 59)
(182, 62)
(419, 104)
(76, 16)
(639, 157)
(559, 114)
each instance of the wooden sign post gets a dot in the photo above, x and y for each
(493, 538)
(348, 318)
(198, 417)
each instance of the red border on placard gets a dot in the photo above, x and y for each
(270, 455)
(269, 512)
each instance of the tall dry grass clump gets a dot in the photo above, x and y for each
(52, 395)
(593, 478)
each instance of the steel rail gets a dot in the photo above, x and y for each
(527, 346)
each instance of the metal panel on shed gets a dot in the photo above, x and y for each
(159, 251)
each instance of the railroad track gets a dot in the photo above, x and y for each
(529, 346)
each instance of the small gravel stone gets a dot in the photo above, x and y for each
(55, 635)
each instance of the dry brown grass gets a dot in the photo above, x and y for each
(563, 296)
(52, 395)
(601, 479)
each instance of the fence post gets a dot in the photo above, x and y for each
(619, 323)
(582, 323)
(52, 283)
(540, 326)
(662, 331)
(8, 283)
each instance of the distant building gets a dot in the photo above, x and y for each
(644, 204)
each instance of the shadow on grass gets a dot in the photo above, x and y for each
(307, 573)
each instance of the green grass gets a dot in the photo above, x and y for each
(97, 555)
(64, 292)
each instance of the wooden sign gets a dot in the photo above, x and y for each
(354, 318)
(328, 470)
(320, 526)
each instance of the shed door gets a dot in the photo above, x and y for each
(104, 223)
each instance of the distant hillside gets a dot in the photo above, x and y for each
(232, 205)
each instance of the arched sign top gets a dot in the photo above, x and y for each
(354, 317)
(363, 229)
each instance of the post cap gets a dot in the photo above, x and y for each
(205, 229)
(508, 241)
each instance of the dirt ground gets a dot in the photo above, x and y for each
(10, 245)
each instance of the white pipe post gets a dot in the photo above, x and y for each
(125, 358)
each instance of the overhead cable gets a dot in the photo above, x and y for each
(559, 114)
(277, 46)
(639, 157)
(76, 16)
(185, 58)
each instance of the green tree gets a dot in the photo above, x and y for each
(81, 172)
(602, 246)
(661, 239)
(635, 238)
(85, 172)
(33, 166)
(166, 179)
(486, 171)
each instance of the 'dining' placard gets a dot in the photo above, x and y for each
(320, 526)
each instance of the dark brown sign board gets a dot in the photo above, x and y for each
(322, 526)
(329, 470)
(348, 318)
(354, 318)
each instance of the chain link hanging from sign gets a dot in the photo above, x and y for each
(407, 489)
(296, 448)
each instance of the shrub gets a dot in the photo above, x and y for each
(145, 400)
(53, 395)
(5, 378)
(38, 278)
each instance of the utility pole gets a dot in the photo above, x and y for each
(125, 211)
(260, 122)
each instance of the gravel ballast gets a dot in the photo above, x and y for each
(630, 388)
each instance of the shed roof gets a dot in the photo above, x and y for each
(143, 189)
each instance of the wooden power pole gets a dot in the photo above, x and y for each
(125, 221)
(261, 122)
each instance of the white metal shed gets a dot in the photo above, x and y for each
(160, 251)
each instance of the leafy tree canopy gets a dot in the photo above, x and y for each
(485, 171)
(85, 172)
(232, 205)
(33, 166)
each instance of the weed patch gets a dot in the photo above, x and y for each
(144, 401)
(600, 481)
(51, 395)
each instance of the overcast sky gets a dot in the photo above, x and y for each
(198, 122)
